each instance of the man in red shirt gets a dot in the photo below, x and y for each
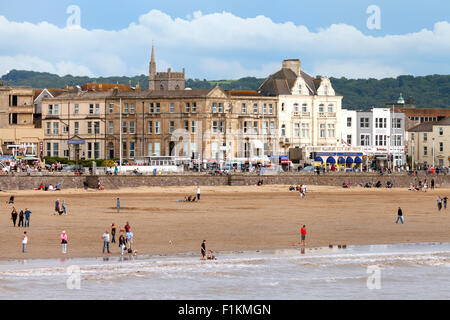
(303, 235)
(127, 227)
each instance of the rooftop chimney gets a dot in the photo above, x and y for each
(293, 64)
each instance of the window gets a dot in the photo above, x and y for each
(56, 109)
(330, 108)
(349, 139)
(255, 127)
(50, 109)
(132, 127)
(97, 109)
(396, 140)
(125, 108)
(441, 147)
(111, 108)
(243, 108)
(76, 127)
(425, 137)
(171, 126)
(150, 127)
(282, 107)
(325, 90)
(441, 131)
(158, 107)
(265, 108)
(364, 123)
(157, 149)
(65, 129)
(96, 150)
(270, 108)
(56, 149)
(76, 109)
(157, 127)
(194, 107)
(220, 107)
(111, 127)
(152, 108)
(321, 108)
(380, 122)
(245, 127)
(331, 131)
(214, 107)
(55, 128)
(365, 140)
(124, 127)
(150, 149)
(349, 122)
(132, 146)
(322, 130)
(295, 107)
(425, 151)
(305, 130)
(380, 140)
(272, 127)
(304, 107)
(396, 123)
(193, 126)
(266, 127)
(222, 126)
(132, 108)
(49, 149)
(297, 130)
(255, 108)
(283, 130)
(91, 109)
(172, 107)
(124, 149)
(187, 107)
(215, 126)
(97, 127)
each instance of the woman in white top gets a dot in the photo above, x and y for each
(24, 242)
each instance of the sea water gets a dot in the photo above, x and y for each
(401, 271)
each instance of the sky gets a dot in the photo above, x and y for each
(230, 39)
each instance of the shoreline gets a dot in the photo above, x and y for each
(278, 251)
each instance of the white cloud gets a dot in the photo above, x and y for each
(222, 44)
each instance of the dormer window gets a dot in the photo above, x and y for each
(325, 90)
(299, 89)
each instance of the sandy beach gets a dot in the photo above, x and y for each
(229, 218)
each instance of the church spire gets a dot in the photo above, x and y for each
(152, 70)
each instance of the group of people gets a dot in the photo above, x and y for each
(206, 255)
(441, 202)
(421, 186)
(24, 217)
(49, 187)
(60, 207)
(125, 239)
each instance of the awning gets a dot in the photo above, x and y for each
(358, 160)
(349, 160)
(30, 158)
(318, 159)
(341, 160)
(331, 160)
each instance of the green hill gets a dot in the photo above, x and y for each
(431, 91)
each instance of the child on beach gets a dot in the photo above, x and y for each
(63, 240)
(24, 242)
(122, 242)
(399, 215)
(303, 235)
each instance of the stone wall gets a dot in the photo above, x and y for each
(117, 182)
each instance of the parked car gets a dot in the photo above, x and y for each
(72, 168)
(308, 169)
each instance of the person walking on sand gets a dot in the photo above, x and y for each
(118, 205)
(24, 242)
(63, 239)
(14, 216)
(400, 215)
(113, 233)
(198, 193)
(129, 240)
(203, 250)
(105, 238)
(122, 242)
(439, 203)
(27, 217)
(444, 200)
(127, 227)
(57, 209)
(21, 217)
(303, 235)
(64, 209)
(432, 184)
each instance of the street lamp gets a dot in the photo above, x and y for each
(432, 152)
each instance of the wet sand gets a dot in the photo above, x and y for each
(229, 218)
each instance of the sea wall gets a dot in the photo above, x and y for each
(117, 182)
